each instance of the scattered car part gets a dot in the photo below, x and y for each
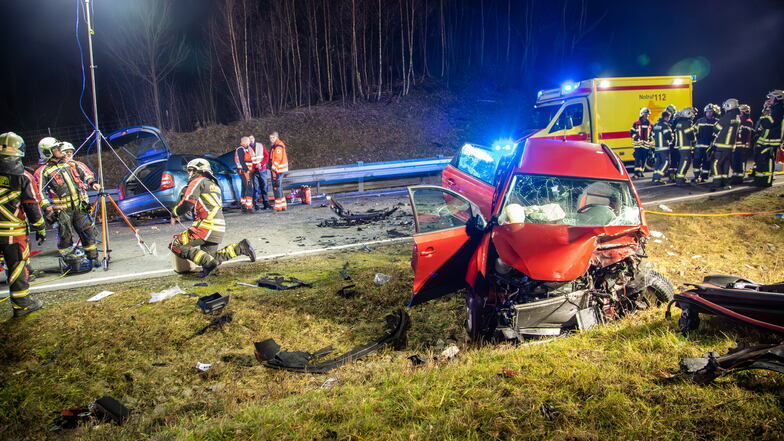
(733, 297)
(416, 360)
(104, 409)
(381, 279)
(281, 283)
(100, 295)
(349, 219)
(203, 367)
(215, 323)
(269, 354)
(742, 357)
(247, 284)
(213, 303)
(449, 353)
(348, 291)
(165, 294)
(344, 272)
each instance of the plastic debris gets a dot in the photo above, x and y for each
(381, 279)
(100, 295)
(281, 283)
(166, 294)
(247, 284)
(450, 352)
(696, 256)
(215, 323)
(330, 382)
(658, 235)
(665, 208)
(670, 253)
(203, 367)
(416, 360)
(348, 291)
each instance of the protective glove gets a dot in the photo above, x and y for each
(40, 236)
(49, 216)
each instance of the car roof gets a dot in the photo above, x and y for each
(570, 158)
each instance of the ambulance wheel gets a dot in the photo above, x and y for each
(105, 264)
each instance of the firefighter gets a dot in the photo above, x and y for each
(279, 166)
(61, 192)
(673, 161)
(642, 141)
(199, 243)
(89, 177)
(684, 130)
(726, 131)
(243, 159)
(769, 129)
(260, 173)
(662, 137)
(705, 136)
(742, 145)
(19, 211)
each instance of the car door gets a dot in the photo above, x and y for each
(225, 180)
(442, 243)
(471, 173)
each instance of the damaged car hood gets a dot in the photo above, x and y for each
(561, 252)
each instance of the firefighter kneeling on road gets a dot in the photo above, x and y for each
(199, 243)
(60, 188)
(18, 211)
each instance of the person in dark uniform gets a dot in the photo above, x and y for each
(684, 130)
(742, 146)
(19, 212)
(705, 136)
(770, 130)
(642, 141)
(662, 138)
(672, 163)
(726, 135)
(199, 243)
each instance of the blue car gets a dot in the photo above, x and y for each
(160, 177)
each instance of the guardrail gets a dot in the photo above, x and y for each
(359, 172)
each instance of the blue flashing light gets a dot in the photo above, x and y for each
(539, 94)
(568, 87)
(504, 145)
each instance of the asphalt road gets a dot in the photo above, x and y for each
(292, 233)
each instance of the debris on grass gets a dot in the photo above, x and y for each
(740, 358)
(330, 382)
(658, 235)
(203, 367)
(344, 272)
(100, 295)
(665, 208)
(165, 294)
(213, 303)
(281, 283)
(348, 291)
(215, 323)
(449, 353)
(381, 279)
(417, 360)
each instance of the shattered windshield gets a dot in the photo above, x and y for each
(539, 117)
(569, 201)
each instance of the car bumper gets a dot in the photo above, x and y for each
(149, 201)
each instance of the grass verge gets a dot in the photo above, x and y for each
(605, 383)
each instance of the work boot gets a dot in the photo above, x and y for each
(244, 210)
(244, 248)
(34, 305)
(206, 269)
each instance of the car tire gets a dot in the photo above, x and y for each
(658, 289)
(479, 320)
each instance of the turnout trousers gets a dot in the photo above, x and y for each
(641, 152)
(277, 190)
(685, 158)
(739, 157)
(672, 168)
(16, 255)
(661, 166)
(764, 162)
(73, 219)
(248, 190)
(702, 163)
(720, 169)
(192, 245)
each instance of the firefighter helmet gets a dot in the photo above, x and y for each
(65, 146)
(12, 144)
(199, 165)
(645, 111)
(730, 104)
(687, 112)
(745, 108)
(45, 147)
(774, 96)
(671, 109)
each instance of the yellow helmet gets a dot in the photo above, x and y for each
(12, 144)
(45, 147)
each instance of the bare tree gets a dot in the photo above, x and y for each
(146, 48)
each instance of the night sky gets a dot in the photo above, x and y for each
(736, 45)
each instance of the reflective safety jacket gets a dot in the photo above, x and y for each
(18, 207)
(771, 127)
(260, 156)
(726, 130)
(705, 133)
(684, 133)
(60, 185)
(203, 197)
(279, 161)
(662, 135)
(641, 130)
(243, 158)
(89, 176)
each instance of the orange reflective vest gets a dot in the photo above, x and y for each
(278, 158)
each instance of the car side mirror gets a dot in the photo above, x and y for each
(568, 124)
(476, 226)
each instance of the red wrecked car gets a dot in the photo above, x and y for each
(547, 236)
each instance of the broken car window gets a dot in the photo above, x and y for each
(479, 161)
(437, 210)
(570, 201)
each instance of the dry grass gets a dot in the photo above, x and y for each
(605, 383)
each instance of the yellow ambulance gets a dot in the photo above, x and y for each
(602, 110)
